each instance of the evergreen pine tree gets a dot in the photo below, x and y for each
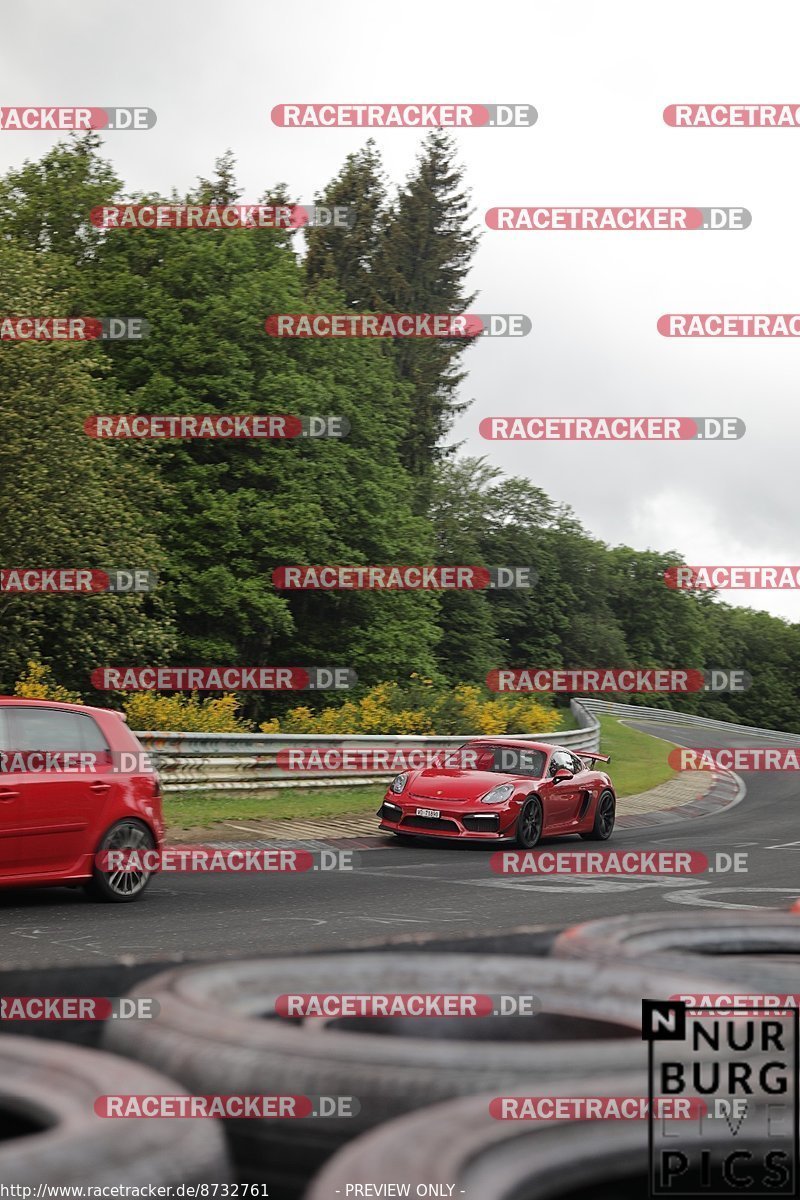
(424, 258)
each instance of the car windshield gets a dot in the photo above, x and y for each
(505, 760)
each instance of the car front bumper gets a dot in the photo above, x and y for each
(496, 825)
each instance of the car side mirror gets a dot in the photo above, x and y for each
(562, 774)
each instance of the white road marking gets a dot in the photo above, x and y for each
(581, 884)
(313, 920)
(702, 901)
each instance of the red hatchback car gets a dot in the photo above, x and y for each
(74, 782)
(503, 789)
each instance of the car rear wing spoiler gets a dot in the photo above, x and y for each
(594, 757)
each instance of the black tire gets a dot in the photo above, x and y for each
(604, 817)
(49, 1132)
(481, 1156)
(759, 949)
(121, 887)
(529, 824)
(216, 1031)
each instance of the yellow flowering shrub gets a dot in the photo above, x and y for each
(187, 714)
(38, 684)
(418, 706)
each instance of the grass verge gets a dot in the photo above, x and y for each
(638, 761)
(188, 810)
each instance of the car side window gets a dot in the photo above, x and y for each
(53, 729)
(577, 764)
(4, 743)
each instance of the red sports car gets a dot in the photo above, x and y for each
(503, 789)
(74, 783)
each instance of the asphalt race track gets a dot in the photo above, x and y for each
(399, 889)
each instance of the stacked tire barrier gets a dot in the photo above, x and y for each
(760, 951)
(50, 1134)
(422, 1086)
(463, 1144)
(217, 1030)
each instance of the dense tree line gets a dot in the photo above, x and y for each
(214, 518)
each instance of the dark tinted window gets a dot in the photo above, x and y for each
(511, 760)
(52, 729)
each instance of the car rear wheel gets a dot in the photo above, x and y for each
(529, 825)
(123, 885)
(604, 818)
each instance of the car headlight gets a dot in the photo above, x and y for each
(399, 782)
(498, 794)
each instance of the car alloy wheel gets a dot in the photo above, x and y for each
(122, 885)
(529, 827)
(606, 812)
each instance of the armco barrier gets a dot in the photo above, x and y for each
(638, 712)
(247, 761)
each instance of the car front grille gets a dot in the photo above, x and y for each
(430, 823)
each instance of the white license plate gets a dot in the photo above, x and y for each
(428, 812)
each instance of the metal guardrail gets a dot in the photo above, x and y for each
(248, 761)
(638, 712)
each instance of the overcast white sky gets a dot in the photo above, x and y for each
(599, 76)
